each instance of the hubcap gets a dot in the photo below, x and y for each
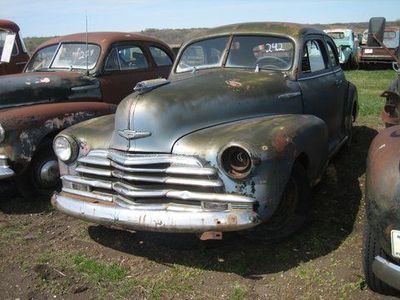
(49, 173)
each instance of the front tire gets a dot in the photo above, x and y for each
(371, 249)
(42, 177)
(291, 211)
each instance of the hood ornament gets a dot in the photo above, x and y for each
(133, 135)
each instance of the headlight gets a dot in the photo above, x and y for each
(65, 148)
(2, 134)
(236, 162)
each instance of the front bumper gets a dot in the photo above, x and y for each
(5, 170)
(387, 271)
(161, 218)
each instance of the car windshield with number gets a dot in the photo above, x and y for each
(249, 52)
(67, 56)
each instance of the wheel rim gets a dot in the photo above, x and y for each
(47, 174)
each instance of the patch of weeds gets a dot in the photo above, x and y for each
(97, 272)
(43, 258)
(239, 292)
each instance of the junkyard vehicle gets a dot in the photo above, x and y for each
(382, 234)
(346, 45)
(243, 127)
(383, 52)
(64, 83)
(13, 54)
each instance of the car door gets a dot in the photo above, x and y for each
(340, 92)
(318, 86)
(124, 66)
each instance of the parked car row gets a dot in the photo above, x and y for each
(230, 136)
(354, 51)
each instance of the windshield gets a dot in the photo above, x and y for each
(68, 56)
(336, 35)
(3, 35)
(263, 52)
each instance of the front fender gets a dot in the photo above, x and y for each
(383, 185)
(26, 127)
(274, 143)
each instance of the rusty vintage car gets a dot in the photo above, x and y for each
(68, 80)
(381, 248)
(13, 53)
(381, 50)
(241, 130)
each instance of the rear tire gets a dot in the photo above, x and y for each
(291, 211)
(371, 249)
(42, 176)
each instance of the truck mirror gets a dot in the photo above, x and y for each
(376, 29)
(8, 48)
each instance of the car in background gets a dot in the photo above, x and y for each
(379, 53)
(346, 45)
(13, 53)
(233, 140)
(68, 80)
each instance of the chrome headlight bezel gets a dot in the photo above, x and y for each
(66, 148)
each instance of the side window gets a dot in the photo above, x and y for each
(313, 59)
(160, 57)
(131, 58)
(332, 55)
(112, 63)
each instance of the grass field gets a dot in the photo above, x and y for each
(45, 254)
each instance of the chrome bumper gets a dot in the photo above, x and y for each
(387, 272)
(5, 170)
(161, 218)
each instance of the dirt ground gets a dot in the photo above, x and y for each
(45, 254)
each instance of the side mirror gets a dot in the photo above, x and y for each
(376, 29)
(8, 48)
(359, 37)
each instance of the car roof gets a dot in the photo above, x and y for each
(104, 39)
(7, 24)
(294, 30)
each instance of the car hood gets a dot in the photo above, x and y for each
(43, 87)
(202, 99)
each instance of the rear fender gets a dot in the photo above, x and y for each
(274, 143)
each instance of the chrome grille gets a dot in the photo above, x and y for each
(111, 175)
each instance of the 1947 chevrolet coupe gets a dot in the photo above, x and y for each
(237, 135)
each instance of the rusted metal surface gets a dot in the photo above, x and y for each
(383, 186)
(26, 127)
(275, 115)
(18, 59)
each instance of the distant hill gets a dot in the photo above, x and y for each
(177, 36)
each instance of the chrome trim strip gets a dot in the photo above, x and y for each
(387, 271)
(88, 181)
(164, 220)
(168, 180)
(99, 196)
(289, 95)
(93, 171)
(137, 192)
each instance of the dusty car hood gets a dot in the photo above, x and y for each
(198, 101)
(43, 87)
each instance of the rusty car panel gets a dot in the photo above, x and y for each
(222, 144)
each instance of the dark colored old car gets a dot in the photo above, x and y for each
(239, 133)
(68, 80)
(13, 54)
(382, 232)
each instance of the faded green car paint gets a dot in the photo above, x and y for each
(279, 117)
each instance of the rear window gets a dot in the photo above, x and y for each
(160, 57)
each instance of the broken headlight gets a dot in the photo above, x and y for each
(66, 148)
(2, 134)
(236, 162)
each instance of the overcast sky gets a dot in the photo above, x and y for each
(59, 17)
